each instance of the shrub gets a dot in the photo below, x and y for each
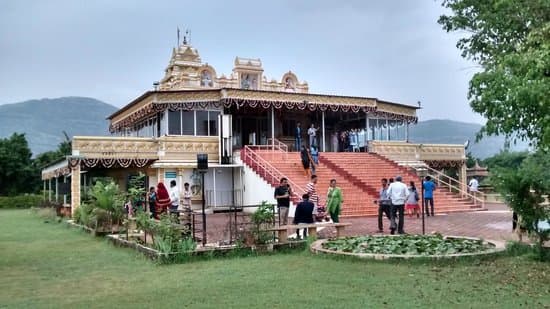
(20, 201)
(262, 219)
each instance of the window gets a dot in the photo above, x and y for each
(213, 123)
(174, 122)
(202, 123)
(188, 122)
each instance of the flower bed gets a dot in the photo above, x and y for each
(407, 246)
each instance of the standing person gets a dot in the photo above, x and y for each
(312, 132)
(314, 159)
(334, 140)
(304, 214)
(304, 156)
(163, 199)
(429, 187)
(473, 185)
(311, 190)
(298, 137)
(282, 194)
(174, 196)
(152, 199)
(384, 204)
(412, 201)
(187, 194)
(398, 193)
(334, 201)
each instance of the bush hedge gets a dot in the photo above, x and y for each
(20, 201)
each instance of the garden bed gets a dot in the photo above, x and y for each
(209, 249)
(95, 232)
(407, 246)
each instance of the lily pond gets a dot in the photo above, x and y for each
(407, 245)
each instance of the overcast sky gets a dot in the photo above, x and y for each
(114, 50)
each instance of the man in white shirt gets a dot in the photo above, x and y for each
(312, 132)
(398, 193)
(473, 185)
(174, 196)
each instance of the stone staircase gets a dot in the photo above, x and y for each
(358, 174)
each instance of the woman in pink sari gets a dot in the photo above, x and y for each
(163, 199)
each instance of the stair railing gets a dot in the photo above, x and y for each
(265, 169)
(457, 186)
(277, 144)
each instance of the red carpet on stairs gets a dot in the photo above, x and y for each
(358, 174)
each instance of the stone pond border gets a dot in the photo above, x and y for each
(498, 246)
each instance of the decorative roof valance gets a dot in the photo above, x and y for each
(218, 98)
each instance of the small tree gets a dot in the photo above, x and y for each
(262, 219)
(525, 190)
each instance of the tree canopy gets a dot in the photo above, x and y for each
(510, 40)
(17, 173)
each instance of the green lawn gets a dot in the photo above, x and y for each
(51, 265)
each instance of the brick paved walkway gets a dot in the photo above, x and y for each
(495, 223)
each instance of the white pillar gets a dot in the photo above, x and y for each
(323, 130)
(56, 190)
(214, 186)
(367, 131)
(407, 132)
(44, 193)
(272, 128)
(387, 129)
(378, 129)
(50, 189)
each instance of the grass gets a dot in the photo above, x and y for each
(51, 265)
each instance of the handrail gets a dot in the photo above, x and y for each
(476, 196)
(268, 169)
(277, 143)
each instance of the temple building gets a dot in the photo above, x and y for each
(193, 109)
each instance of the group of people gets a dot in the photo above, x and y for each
(309, 210)
(161, 200)
(312, 135)
(352, 140)
(396, 197)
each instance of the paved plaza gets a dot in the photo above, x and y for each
(494, 223)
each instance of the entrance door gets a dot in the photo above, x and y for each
(253, 130)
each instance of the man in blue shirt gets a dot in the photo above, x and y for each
(429, 187)
(297, 137)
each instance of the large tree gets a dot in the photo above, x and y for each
(17, 173)
(510, 40)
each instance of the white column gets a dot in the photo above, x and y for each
(367, 125)
(44, 191)
(56, 190)
(214, 185)
(407, 132)
(323, 129)
(50, 189)
(272, 128)
(378, 129)
(387, 129)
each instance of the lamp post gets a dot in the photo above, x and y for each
(202, 167)
(422, 173)
(203, 210)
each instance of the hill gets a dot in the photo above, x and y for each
(43, 121)
(440, 131)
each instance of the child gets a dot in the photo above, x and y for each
(412, 201)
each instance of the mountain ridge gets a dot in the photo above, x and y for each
(44, 121)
